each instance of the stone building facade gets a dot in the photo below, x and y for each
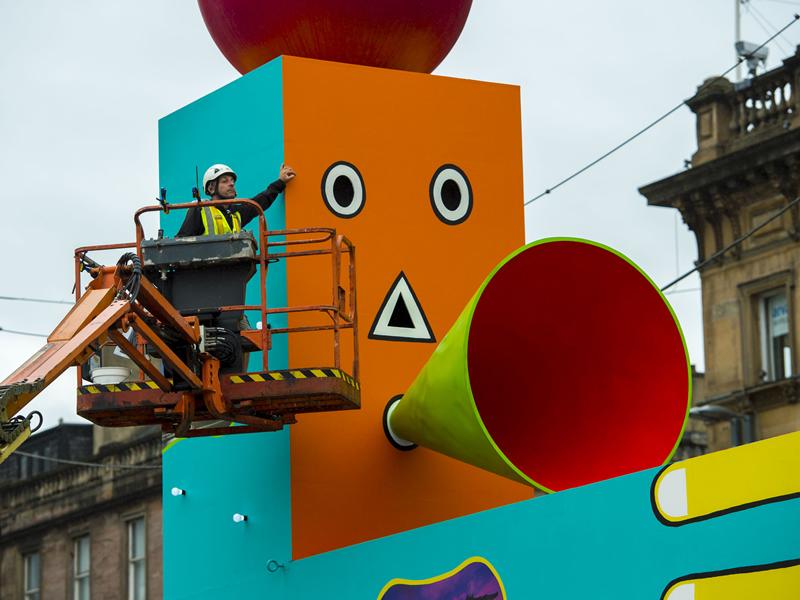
(84, 530)
(67, 442)
(745, 172)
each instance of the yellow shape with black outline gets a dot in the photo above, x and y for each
(727, 481)
(780, 581)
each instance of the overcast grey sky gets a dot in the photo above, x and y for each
(85, 81)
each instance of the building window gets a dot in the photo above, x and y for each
(773, 325)
(80, 568)
(137, 575)
(768, 337)
(33, 576)
(30, 465)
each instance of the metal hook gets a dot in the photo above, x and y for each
(273, 566)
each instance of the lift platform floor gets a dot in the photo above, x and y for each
(273, 394)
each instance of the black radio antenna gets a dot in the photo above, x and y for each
(196, 188)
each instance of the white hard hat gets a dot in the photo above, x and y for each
(215, 172)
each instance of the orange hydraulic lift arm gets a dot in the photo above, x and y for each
(98, 316)
(69, 344)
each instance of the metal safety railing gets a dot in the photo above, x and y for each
(273, 245)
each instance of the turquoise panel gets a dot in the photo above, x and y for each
(240, 125)
(203, 547)
(597, 542)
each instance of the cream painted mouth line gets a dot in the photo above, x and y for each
(775, 581)
(732, 480)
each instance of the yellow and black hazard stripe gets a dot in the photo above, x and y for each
(136, 386)
(295, 374)
(130, 386)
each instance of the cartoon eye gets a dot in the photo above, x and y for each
(451, 195)
(343, 190)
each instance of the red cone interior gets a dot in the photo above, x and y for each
(577, 366)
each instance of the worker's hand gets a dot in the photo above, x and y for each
(287, 173)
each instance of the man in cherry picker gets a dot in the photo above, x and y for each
(219, 182)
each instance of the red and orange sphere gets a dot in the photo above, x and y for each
(412, 35)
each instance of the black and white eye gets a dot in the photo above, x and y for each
(451, 195)
(343, 190)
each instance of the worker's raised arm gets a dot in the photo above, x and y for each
(266, 198)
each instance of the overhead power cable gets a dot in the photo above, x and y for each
(792, 2)
(80, 463)
(648, 127)
(765, 25)
(686, 291)
(15, 332)
(41, 300)
(732, 245)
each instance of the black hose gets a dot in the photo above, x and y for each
(131, 289)
(41, 420)
(222, 344)
(14, 423)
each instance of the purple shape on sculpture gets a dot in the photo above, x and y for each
(476, 581)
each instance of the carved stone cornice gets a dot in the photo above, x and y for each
(743, 168)
(694, 220)
(760, 397)
(73, 492)
(719, 189)
(713, 216)
(784, 177)
(791, 392)
(728, 205)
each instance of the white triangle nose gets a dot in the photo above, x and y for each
(400, 317)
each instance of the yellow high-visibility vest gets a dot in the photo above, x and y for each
(211, 214)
